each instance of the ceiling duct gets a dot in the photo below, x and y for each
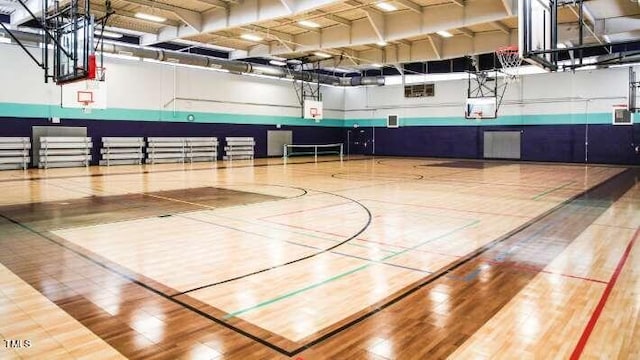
(232, 66)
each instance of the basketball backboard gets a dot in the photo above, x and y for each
(536, 32)
(621, 115)
(74, 50)
(85, 95)
(313, 109)
(481, 108)
(67, 28)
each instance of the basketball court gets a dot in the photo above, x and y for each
(322, 179)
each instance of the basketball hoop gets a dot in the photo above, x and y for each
(85, 98)
(315, 114)
(94, 83)
(510, 60)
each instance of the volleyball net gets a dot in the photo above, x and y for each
(313, 149)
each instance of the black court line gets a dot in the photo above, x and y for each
(390, 158)
(172, 170)
(398, 298)
(150, 288)
(187, 306)
(303, 192)
(308, 246)
(368, 223)
(473, 255)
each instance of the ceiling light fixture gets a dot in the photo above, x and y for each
(309, 23)
(376, 65)
(322, 55)
(444, 33)
(386, 6)
(251, 37)
(277, 62)
(381, 43)
(149, 17)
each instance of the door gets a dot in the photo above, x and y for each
(361, 141)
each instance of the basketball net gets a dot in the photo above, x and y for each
(314, 114)
(93, 84)
(510, 59)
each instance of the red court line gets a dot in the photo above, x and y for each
(448, 209)
(305, 210)
(541, 270)
(304, 228)
(577, 352)
(407, 248)
(361, 239)
(614, 226)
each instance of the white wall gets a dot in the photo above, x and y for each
(593, 91)
(161, 86)
(136, 84)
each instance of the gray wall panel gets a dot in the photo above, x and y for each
(39, 131)
(276, 139)
(502, 144)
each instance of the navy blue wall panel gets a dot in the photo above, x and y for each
(562, 143)
(436, 141)
(98, 129)
(553, 143)
(613, 144)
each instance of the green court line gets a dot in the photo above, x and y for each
(430, 240)
(369, 247)
(296, 292)
(542, 194)
(280, 227)
(341, 275)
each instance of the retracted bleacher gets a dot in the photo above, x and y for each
(122, 151)
(239, 148)
(201, 149)
(58, 151)
(14, 152)
(177, 149)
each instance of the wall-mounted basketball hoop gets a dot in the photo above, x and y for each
(312, 110)
(621, 115)
(85, 99)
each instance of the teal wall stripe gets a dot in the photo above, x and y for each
(46, 111)
(553, 119)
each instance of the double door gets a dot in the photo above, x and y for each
(361, 141)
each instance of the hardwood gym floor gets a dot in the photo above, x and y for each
(386, 258)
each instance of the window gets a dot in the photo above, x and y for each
(419, 90)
